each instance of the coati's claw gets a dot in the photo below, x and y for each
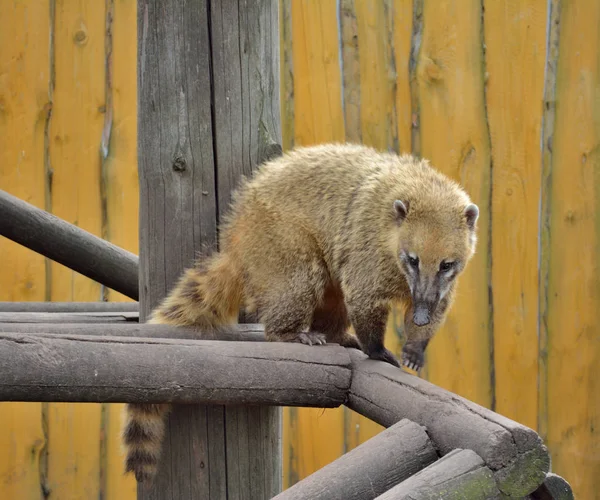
(311, 338)
(384, 355)
(413, 359)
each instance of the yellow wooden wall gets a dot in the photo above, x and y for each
(505, 99)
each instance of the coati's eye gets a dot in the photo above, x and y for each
(446, 266)
(413, 261)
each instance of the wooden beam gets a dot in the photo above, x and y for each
(553, 488)
(65, 318)
(370, 469)
(68, 245)
(512, 451)
(459, 474)
(76, 368)
(240, 333)
(208, 112)
(68, 307)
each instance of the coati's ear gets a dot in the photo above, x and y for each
(472, 214)
(400, 211)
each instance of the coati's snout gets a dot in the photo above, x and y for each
(421, 315)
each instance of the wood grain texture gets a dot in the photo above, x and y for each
(79, 368)
(24, 111)
(377, 80)
(74, 247)
(192, 152)
(74, 140)
(241, 333)
(572, 316)
(401, 46)
(370, 469)
(515, 120)
(67, 307)
(459, 474)
(454, 136)
(387, 394)
(75, 317)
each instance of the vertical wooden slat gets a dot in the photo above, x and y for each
(454, 136)
(24, 111)
(515, 117)
(312, 437)
(572, 316)
(377, 79)
(122, 204)
(74, 142)
(402, 38)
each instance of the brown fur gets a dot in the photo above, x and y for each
(312, 243)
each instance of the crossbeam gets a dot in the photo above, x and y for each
(79, 368)
(68, 245)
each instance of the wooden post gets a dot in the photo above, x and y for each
(208, 111)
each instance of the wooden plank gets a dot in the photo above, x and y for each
(314, 437)
(121, 196)
(460, 474)
(454, 136)
(402, 41)
(377, 80)
(572, 317)
(244, 332)
(515, 120)
(512, 451)
(67, 307)
(56, 317)
(24, 111)
(74, 139)
(80, 368)
(67, 244)
(318, 113)
(369, 470)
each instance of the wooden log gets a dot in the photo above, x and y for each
(77, 368)
(68, 307)
(69, 245)
(63, 318)
(370, 469)
(460, 474)
(240, 333)
(554, 487)
(208, 111)
(512, 451)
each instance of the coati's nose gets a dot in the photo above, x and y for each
(421, 315)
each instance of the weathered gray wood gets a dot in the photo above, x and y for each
(194, 56)
(459, 475)
(69, 245)
(74, 317)
(371, 468)
(247, 332)
(247, 128)
(68, 307)
(553, 488)
(77, 368)
(512, 451)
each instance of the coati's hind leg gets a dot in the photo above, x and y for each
(286, 310)
(331, 319)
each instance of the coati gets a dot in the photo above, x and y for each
(319, 239)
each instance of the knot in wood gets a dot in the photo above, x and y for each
(179, 164)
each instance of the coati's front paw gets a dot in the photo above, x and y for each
(311, 338)
(382, 354)
(413, 356)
